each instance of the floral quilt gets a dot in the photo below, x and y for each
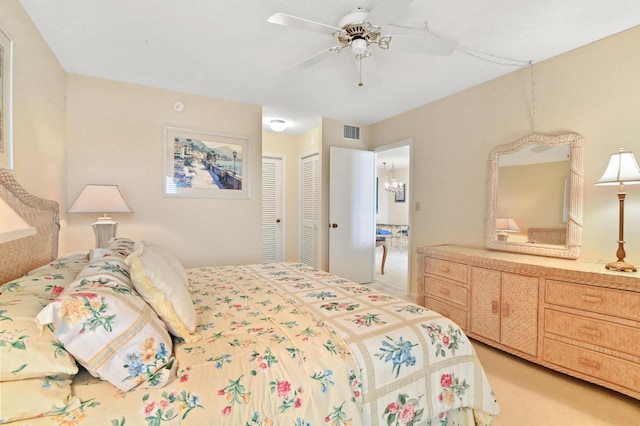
(285, 344)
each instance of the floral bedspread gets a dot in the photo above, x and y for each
(285, 344)
(416, 364)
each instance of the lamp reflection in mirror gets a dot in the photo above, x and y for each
(622, 169)
(12, 225)
(101, 199)
(504, 225)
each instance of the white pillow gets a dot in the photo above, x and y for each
(156, 280)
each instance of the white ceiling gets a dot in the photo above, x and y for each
(226, 49)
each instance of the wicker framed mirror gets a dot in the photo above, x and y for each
(535, 196)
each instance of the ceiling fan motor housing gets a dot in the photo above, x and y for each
(357, 32)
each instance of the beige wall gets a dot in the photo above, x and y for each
(592, 91)
(112, 132)
(38, 107)
(115, 135)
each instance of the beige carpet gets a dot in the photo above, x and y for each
(530, 395)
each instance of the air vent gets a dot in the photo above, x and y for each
(351, 132)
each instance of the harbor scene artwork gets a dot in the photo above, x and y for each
(201, 164)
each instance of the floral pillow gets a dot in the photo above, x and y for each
(26, 351)
(123, 246)
(111, 331)
(45, 396)
(163, 288)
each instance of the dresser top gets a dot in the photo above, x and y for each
(574, 270)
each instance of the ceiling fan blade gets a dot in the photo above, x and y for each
(388, 11)
(427, 45)
(317, 58)
(301, 23)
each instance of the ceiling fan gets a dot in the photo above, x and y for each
(360, 29)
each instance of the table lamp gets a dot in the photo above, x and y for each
(504, 225)
(622, 169)
(101, 199)
(12, 225)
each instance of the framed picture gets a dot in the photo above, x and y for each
(202, 164)
(6, 129)
(400, 193)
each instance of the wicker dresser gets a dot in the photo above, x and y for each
(569, 315)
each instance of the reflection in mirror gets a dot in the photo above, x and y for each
(535, 196)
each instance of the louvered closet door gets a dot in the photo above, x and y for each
(310, 211)
(272, 210)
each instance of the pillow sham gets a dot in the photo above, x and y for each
(163, 289)
(112, 332)
(123, 246)
(25, 350)
(25, 399)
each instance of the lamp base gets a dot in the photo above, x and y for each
(621, 266)
(104, 230)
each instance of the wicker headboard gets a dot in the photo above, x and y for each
(555, 236)
(20, 256)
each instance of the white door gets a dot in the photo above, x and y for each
(310, 211)
(272, 210)
(351, 214)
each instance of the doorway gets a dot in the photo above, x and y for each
(393, 183)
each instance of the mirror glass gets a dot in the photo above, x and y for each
(535, 196)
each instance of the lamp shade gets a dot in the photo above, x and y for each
(505, 224)
(100, 199)
(622, 168)
(12, 226)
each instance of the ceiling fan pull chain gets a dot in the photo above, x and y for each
(360, 69)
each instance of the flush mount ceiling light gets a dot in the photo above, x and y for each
(278, 125)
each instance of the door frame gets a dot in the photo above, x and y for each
(409, 199)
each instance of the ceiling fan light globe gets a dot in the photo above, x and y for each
(358, 46)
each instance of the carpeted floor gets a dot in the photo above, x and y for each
(531, 395)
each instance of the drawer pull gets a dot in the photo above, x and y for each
(588, 363)
(590, 331)
(505, 309)
(494, 307)
(591, 299)
(445, 313)
(444, 269)
(444, 290)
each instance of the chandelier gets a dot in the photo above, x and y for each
(391, 185)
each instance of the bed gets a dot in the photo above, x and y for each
(126, 336)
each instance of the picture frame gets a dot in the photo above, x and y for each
(203, 164)
(6, 95)
(400, 193)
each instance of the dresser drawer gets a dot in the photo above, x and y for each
(619, 303)
(444, 290)
(444, 268)
(604, 367)
(596, 332)
(457, 315)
